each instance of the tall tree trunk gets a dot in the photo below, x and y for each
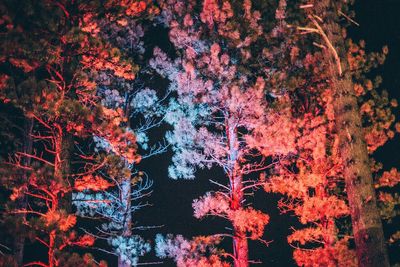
(52, 246)
(240, 245)
(126, 211)
(19, 241)
(365, 216)
(366, 221)
(241, 249)
(62, 165)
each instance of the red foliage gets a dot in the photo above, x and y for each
(90, 182)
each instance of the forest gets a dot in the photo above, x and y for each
(199, 133)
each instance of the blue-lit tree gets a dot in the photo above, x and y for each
(114, 187)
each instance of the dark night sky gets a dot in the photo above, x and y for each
(171, 200)
(379, 25)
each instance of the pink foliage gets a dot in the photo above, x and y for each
(328, 256)
(276, 136)
(389, 178)
(91, 182)
(246, 220)
(316, 208)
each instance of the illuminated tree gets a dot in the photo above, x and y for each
(50, 56)
(376, 110)
(219, 111)
(115, 191)
(366, 222)
(137, 110)
(312, 181)
(311, 184)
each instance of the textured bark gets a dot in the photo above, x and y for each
(126, 206)
(365, 216)
(366, 221)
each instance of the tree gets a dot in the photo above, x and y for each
(318, 80)
(50, 57)
(311, 184)
(220, 109)
(310, 179)
(367, 226)
(379, 123)
(137, 110)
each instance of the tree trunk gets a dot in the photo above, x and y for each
(52, 238)
(126, 211)
(366, 221)
(19, 241)
(62, 165)
(240, 245)
(241, 249)
(365, 216)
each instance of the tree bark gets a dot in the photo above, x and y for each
(126, 211)
(366, 221)
(241, 249)
(240, 245)
(62, 169)
(367, 226)
(52, 238)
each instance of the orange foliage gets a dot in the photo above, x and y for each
(249, 220)
(316, 208)
(85, 241)
(92, 182)
(67, 223)
(330, 256)
(389, 178)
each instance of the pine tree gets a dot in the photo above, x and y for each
(50, 55)
(220, 112)
(137, 110)
(316, 76)
(366, 222)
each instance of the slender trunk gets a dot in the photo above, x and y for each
(19, 241)
(126, 211)
(61, 200)
(50, 253)
(365, 216)
(241, 249)
(240, 245)
(126, 200)
(64, 143)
